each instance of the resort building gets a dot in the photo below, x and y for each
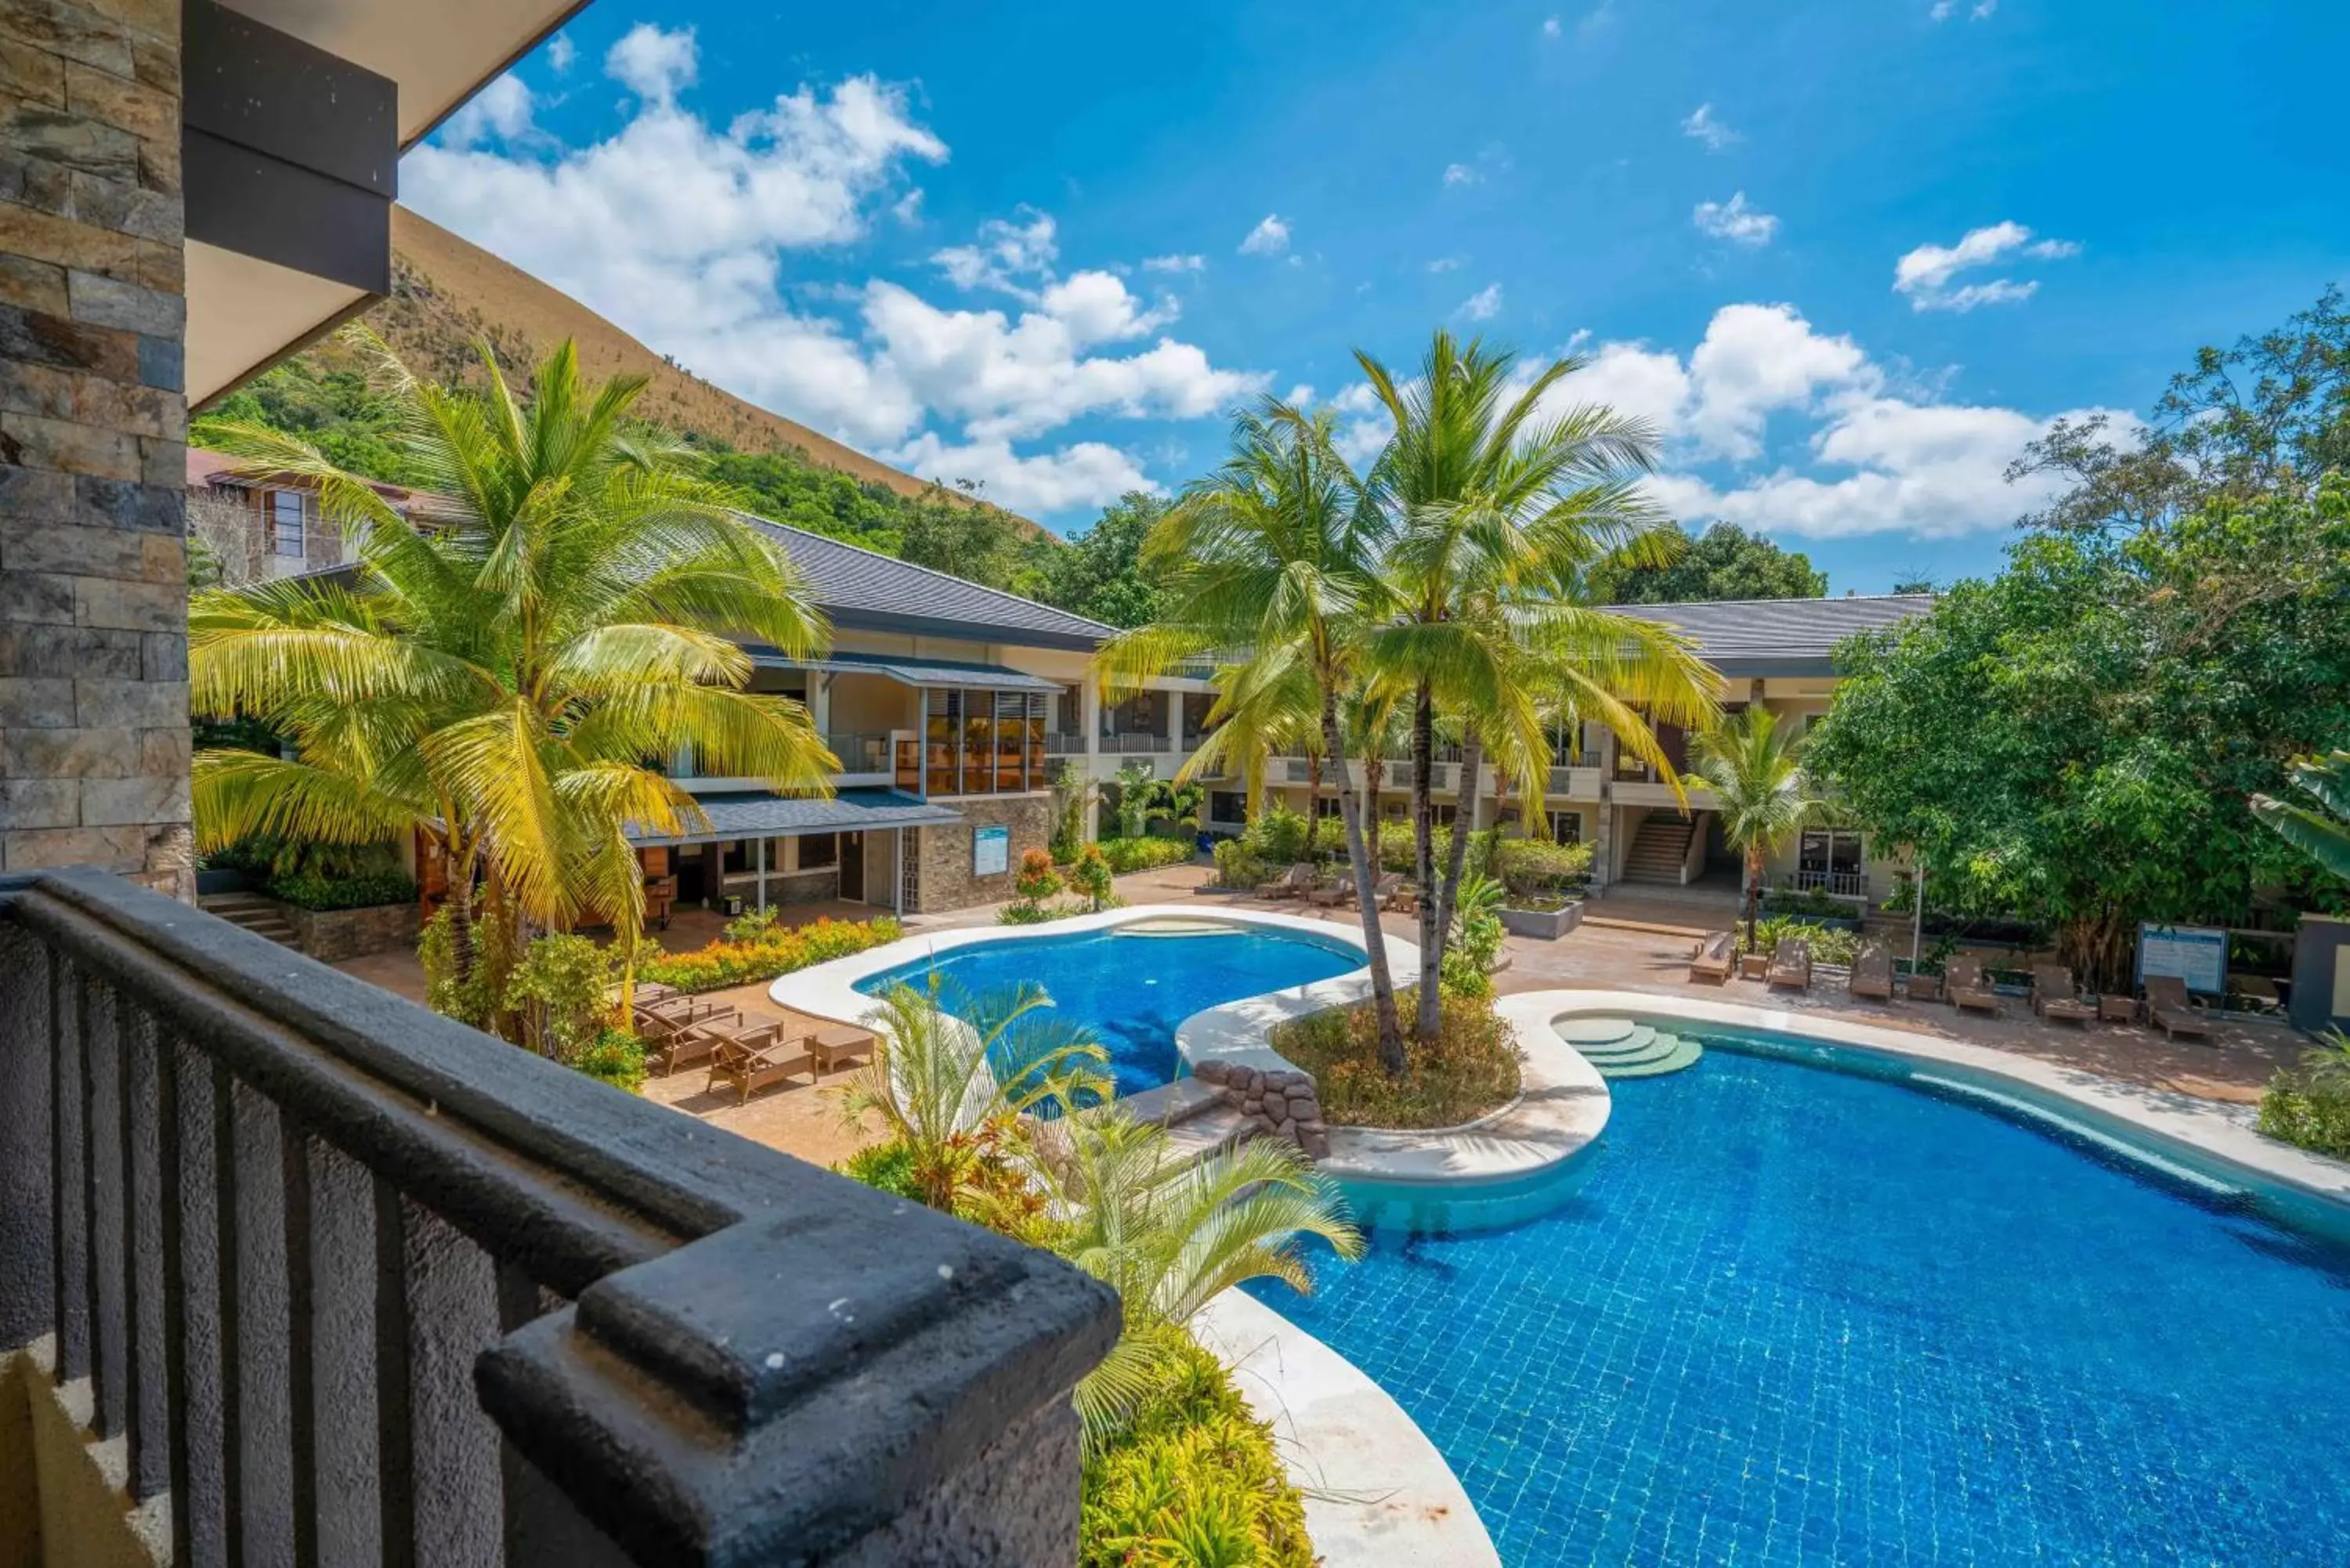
(1775, 652)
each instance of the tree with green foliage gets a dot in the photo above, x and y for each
(1099, 572)
(2078, 741)
(1725, 561)
(510, 683)
(784, 487)
(1761, 795)
(353, 423)
(960, 532)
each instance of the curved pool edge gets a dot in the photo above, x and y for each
(828, 990)
(2172, 1123)
(1561, 1109)
(1378, 1492)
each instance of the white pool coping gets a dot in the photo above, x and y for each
(1377, 1493)
(1562, 1107)
(2217, 1130)
(1232, 1030)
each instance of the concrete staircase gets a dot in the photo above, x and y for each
(253, 912)
(1620, 1048)
(1661, 848)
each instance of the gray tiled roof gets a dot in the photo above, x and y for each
(1780, 637)
(867, 591)
(758, 814)
(913, 672)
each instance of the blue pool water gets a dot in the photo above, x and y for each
(1132, 990)
(1795, 1316)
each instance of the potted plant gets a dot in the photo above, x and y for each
(1543, 882)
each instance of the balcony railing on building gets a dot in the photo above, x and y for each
(348, 1282)
(1841, 884)
(1144, 742)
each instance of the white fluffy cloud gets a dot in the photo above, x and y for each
(1703, 127)
(1872, 458)
(1178, 262)
(1550, 28)
(499, 112)
(1982, 11)
(651, 63)
(680, 230)
(1735, 220)
(560, 52)
(1485, 305)
(1926, 275)
(1269, 238)
(1089, 474)
(1460, 174)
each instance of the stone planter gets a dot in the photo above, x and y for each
(1548, 924)
(332, 935)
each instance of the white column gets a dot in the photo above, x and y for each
(762, 863)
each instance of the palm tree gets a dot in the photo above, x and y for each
(1275, 554)
(2323, 833)
(948, 1067)
(1497, 513)
(1169, 1232)
(1262, 712)
(1760, 792)
(511, 680)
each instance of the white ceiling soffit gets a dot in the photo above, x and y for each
(440, 52)
(244, 311)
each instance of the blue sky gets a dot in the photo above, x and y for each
(1846, 256)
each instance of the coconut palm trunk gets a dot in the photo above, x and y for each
(1472, 759)
(1375, 943)
(1423, 836)
(1755, 869)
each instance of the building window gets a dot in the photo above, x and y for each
(289, 513)
(1832, 860)
(1227, 805)
(1567, 826)
(1326, 806)
(818, 850)
(983, 742)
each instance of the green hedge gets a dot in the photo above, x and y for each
(2309, 1105)
(1146, 854)
(723, 964)
(361, 890)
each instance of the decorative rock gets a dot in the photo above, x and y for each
(1287, 1131)
(1212, 1072)
(1317, 1144)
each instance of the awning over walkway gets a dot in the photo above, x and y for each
(911, 671)
(758, 814)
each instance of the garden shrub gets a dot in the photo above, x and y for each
(889, 1166)
(617, 1057)
(1036, 881)
(1090, 877)
(2309, 1105)
(1192, 1479)
(1147, 853)
(1277, 836)
(754, 926)
(1237, 866)
(1471, 1067)
(1535, 868)
(357, 890)
(1830, 944)
(723, 963)
(1808, 901)
(557, 994)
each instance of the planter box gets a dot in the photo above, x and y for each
(332, 935)
(222, 881)
(1548, 925)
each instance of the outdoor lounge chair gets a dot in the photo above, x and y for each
(1298, 880)
(769, 1053)
(1872, 973)
(2054, 996)
(2167, 1006)
(1964, 983)
(1715, 957)
(1332, 894)
(1791, 964)
(1401, 898)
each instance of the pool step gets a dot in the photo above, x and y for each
(1620, 1048)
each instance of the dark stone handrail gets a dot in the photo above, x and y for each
(749, 1359)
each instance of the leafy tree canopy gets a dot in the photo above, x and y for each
(2077, 739)
(1723, 563)
(354, 425)
(1099, 573)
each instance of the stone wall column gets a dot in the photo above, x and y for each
(93, 431)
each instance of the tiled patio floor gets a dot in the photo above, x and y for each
(806, 1121)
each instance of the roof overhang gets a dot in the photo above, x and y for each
(760, 814)
(851, 619)
(916, 672)
(295, 115)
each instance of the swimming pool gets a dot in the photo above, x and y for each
(1791, 1315)
(1132, 986)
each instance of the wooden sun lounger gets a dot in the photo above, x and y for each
(1715, 957)
(2168, 1007)
(1872, 974)
(770, 1052)
(1964, 983)
(1402, 898)
(2054, 996)
(1296, 881)
(1791, 964)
